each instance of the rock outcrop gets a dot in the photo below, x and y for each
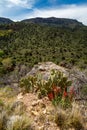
(78, 78)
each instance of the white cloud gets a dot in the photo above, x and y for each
(66, 11)
(20, 3)
(24, 9)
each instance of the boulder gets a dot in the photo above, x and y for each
(78, 78)
(45, 68)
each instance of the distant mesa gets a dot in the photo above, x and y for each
(61, 22)
(51, 21)
(5, 20)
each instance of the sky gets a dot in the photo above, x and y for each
(23, 9)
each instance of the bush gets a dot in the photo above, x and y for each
(3, 120)
(60, 119)
(19, 123)
(12, 117)
(27, 84)
(84, 90)
(1, 53)
(75, 119)
(7, 63)
(56, 88)
(71, 119)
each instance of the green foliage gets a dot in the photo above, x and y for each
(7, 91)
(1, 53)
(31, 43)
(7, 63)
(58, 79)
(84, 90)
(59, 89)
(1, 103)
(5, 33)
(27, 84)
(56, 87)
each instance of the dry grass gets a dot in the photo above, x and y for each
(12, 112)
(14, 122)
(13, 115)
(60, 119)
(17, 122)
(71, 119)
(3, 120)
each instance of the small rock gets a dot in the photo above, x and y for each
(42, 105)
(41, 127)
(20, 96)
(45, 111)
(35, 113)
(36, 120)
(34, 103)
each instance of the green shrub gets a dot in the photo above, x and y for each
(84, 90)
(1, 53)
(27, 84)
(56, 88)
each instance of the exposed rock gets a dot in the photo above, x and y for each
(45, 69)
(20, 96)
(34, 103)
(78, 78)
(39, 110)
(35, 113)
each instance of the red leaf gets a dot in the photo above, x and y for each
(50, 96)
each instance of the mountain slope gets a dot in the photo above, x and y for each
(5, 20)
(29, 44)
(61, 22)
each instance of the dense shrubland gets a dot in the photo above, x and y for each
(30, 43)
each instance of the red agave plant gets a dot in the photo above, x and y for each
(71, 93)
(56, 90)
(50, 96)
(65, 94)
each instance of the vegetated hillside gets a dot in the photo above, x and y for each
(5, 20)
(35, 103)
(60, 22)
(28, 43)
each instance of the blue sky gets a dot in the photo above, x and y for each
(24, 9)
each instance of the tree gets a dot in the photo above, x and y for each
(1, 53)
(7, 63)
